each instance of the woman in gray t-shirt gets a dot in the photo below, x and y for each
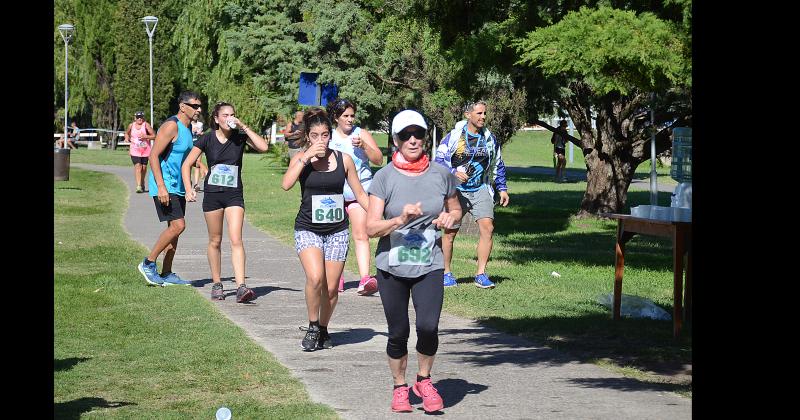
(409, 201)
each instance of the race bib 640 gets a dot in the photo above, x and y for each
(327, 208)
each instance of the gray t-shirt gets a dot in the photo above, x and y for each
(414, 249)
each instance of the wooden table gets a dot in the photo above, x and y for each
(681, 235)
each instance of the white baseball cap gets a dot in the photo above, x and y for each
(405, 118)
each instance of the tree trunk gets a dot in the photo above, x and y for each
(607, 180)
(611, 152)
(620, 142)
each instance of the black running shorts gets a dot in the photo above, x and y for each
(174, 211)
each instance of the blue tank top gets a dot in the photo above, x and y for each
(171, 160)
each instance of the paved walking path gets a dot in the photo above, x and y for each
(574, 175)
(481, 373)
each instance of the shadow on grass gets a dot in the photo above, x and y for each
(468, 281)
(573, 174)
(67, 364)
(587, 249)
(549, 211)
(73, 409)
(547, 172)
(533, 228)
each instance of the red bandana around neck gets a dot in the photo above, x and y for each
(419, 165)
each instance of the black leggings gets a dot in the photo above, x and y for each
(428, 293)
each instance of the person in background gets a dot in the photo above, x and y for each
(293, 134)
(139, 134)
(197, 129)
(72, 135)
(199, 169)
(472, 153)
(223, 192)
(559, 141)
(410, 200)
(320, 228)
(361, 147)
(172, 145)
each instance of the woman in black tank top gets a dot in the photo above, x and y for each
(313, 183)
(321, 235)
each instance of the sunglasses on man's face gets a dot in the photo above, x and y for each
(418, 133)
(194, 106)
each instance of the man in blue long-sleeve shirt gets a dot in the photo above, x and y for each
(472, 153)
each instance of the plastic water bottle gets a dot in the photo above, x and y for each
(231, 124)
(224, 413)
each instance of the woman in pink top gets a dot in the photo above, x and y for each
(139, 134)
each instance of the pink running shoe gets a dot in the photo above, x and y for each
(400, 402)
(341, 283)
(431, 401)
(367, 286)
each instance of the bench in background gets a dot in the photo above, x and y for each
(93, 139)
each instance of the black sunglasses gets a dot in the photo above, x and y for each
(418, 133)
(194, 106)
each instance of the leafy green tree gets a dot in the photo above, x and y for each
(608, 64)
(261, 56)
(392, 55)
(91, 63)
(132, 82)
(247, 53)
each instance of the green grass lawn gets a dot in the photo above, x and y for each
(129, 351)
(533, 149)
(534, 236)
(119, 157)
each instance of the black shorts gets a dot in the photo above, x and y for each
(220, 200)
(559, 151)
(139, 159)
(174, 211)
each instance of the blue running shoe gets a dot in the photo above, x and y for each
(482, 281)
(449, 280)
(172, 279)
(150, 273)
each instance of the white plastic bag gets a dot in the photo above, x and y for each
(635, 307)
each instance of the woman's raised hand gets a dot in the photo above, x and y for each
(411, 212)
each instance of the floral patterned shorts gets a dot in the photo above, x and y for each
(334, 245)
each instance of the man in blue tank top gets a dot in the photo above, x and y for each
(172, 145)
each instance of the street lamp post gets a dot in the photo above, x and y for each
(148, 21)
(66, 31)
(653, 174)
